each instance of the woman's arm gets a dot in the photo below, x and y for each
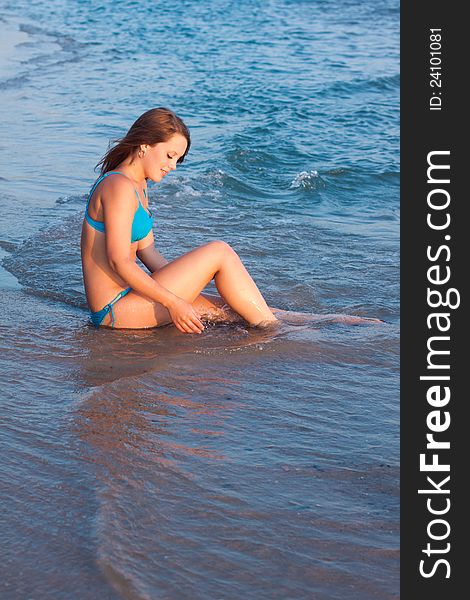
(149, 255)
(119, 207)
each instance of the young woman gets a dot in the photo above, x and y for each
(117, 229)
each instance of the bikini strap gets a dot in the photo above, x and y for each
(110, 305)
(95, 185)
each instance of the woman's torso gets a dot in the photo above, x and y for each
(101, 282)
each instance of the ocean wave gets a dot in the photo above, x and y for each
(249, 160)
(14, 82)
(180, 186)
(212, 182)
(41, 50)
(308, 180)
(66, 42)
(360, 173)
(385, 83)
(48, 263)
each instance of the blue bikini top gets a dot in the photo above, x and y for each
(142, 223)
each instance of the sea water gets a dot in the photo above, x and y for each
(239, 463)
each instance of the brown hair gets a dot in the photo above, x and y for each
(154, 126)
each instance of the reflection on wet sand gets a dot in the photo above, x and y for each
(141, 435)
(130, 424)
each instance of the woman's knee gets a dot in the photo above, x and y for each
(222, 249)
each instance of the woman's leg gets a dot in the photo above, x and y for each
(187, 276)
(214, 308)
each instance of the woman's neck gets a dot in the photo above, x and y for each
(133, 168)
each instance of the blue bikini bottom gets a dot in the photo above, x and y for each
(98, 316)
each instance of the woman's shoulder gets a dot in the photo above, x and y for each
(117, 185)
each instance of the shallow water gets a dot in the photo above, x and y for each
(242, 462)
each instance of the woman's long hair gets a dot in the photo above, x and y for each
(154, 126)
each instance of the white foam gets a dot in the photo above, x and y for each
(306, 179)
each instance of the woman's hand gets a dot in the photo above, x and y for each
(184, 316)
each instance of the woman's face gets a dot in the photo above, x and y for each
(161, 158)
